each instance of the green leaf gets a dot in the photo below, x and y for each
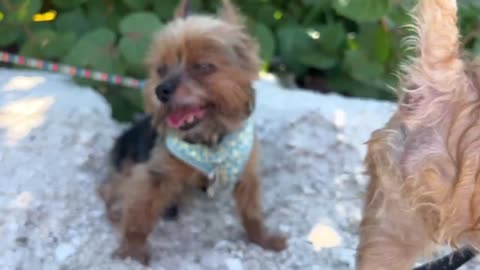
(96, 50)
(375, 41)
(265, 38)
(319, 60)
(39, 26)
(399, 17)
(409, 5)
(137, 4)
(382, 44)
(332, 36)
(67, 4)
(9, 34)
(476, 47)
(344, 84)
(125, 102)
(137, 30)
(323, 4)
(264, 13)
(362, 10)
(74, 20)
(19, 11)
(293, 41)
(361, 68)
(105, 13)
(166, 8)
(140, 22)
(48, 44)
(350, 87)
(35, 44)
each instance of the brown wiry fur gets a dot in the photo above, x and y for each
(424, 165)
(144, 193)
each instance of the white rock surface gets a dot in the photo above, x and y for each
(54, 140)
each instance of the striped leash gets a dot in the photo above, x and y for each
(71, 70)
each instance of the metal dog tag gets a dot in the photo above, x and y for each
(216, 179)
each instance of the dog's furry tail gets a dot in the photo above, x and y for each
(438, 37)
(435, 73)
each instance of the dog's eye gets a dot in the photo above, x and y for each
(162, 70)
(204, 68)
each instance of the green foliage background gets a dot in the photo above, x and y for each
(348, 46)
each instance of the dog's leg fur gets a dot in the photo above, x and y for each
(146, 197)
(132, 147)
(247, 197)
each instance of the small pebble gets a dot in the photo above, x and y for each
(307, 190)
(284, 228)
(233, 264)
(63, 251)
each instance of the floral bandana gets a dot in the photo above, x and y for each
(222, 164)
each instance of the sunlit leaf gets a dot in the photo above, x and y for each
(20, 11)
(362, 10)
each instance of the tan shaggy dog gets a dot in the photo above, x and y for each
(201, 71)
(425, 163)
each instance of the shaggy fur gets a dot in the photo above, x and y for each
(132, 147)
(425, 164)
(195, 61)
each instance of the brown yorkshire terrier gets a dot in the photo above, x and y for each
(425, 164)
(199, 98)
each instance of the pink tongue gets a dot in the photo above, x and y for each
(178, 118)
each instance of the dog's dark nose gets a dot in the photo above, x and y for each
(166, 89)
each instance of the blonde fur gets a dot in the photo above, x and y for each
(424, 164)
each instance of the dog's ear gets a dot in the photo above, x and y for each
(183, 10)
(228, 13)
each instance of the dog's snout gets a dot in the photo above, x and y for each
(166, 89)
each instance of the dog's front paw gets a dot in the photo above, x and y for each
(275, 242)
(138, 252)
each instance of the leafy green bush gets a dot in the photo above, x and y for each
(347, 46)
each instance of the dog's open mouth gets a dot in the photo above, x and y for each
(185, 118)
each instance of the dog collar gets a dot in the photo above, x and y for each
(222, 164)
